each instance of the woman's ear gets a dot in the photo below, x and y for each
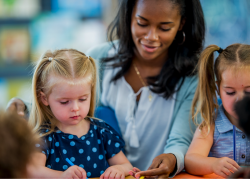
(183, 21)
(44, 99)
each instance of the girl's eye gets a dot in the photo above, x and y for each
(142, 25)
(247, 92)
(231, 93)
(64, 102)
(83, 99)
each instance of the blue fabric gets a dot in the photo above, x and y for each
(91, 151)
(223, 140)
(108, 115)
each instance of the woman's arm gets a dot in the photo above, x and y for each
(37, 169)
(171, 161)
(119, 167)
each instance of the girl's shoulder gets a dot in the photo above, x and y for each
(105, 129)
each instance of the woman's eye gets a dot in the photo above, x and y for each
(142, 25)
(230, 93)
(163, 29)
(64, 102)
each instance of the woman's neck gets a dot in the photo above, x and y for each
(154, 63)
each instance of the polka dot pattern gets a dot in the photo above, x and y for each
(90, 151)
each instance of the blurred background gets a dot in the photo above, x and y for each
(30, 27)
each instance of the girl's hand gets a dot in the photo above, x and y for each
(134, 171)
(74, 172)
(114, 172)
(225, 166)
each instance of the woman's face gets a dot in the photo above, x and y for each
(154, 25)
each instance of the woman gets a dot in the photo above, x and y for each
(148, 79)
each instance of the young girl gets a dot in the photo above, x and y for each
(212, 149)
(64, 92)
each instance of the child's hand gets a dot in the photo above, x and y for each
(114, 172)
(134, 171)
(225, 166)
(74, 172)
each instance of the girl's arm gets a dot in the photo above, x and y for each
(119, 167)
(197, 161)
(37, 169)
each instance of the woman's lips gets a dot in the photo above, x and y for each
(149, 48)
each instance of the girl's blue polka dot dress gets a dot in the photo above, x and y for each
(90, 151)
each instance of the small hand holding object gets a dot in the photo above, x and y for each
(114, 172)
(225, 166)
(74, 171)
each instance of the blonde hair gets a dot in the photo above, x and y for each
(17, 145)
(205, 102)
(69, 64)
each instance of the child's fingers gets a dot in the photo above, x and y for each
(230, 167)
(222, 174)
(132, 173)
(235, 164)
(123, 176)
(102, 176)
(136, 169)
(226, 171)
(106, 174)
(83, 172)
(118, 176)
(112, 175)
(78, 173)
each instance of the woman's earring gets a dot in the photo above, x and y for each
(184, 38)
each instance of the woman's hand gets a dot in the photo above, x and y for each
(225, 166)
(161, 167)
(114, 172)
(75, 172)
(16, 105)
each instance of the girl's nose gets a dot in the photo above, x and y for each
(75, 106)
(152, 35)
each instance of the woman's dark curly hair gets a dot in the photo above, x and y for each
(182, 58)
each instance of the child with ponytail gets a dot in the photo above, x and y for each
(219, 146)
(75, 145)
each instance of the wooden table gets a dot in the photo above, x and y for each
(184, 175)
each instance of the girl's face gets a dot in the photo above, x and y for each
(234, 85)
(154, 25)
(69, 103)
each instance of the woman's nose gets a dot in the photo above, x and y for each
(152, 35)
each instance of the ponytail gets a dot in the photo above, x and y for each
(205, 101)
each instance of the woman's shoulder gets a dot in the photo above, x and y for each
(188, 86)
(102, 50)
